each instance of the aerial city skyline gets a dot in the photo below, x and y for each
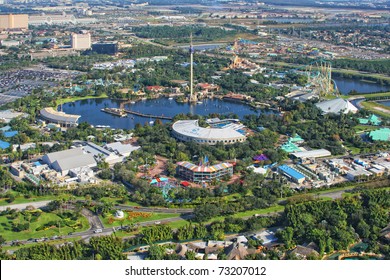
(194, 130)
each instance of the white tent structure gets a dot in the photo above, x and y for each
(337, 106)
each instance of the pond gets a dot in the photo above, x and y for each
(345, 85)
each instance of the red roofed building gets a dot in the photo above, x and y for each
(237, 97)
(203, 173)
(155, 89)
(208, 87)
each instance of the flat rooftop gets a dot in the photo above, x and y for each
(51, 114)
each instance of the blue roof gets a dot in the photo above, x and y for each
(9, 134)
(4, 145)
(291, 172)
(37, 163)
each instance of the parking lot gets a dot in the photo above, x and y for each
(18, 83)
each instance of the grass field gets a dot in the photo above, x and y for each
(377, 108)
(250, 213)
(364, 128)
(6, 225)
(381, 94)
(77, 98)
(111, 221)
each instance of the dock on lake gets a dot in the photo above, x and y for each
(147, 115)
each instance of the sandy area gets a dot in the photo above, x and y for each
(382, 110)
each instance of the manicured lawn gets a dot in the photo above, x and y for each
(378, 109)
(268, 210)
(177, 224)
(354, 150)
(138, 217)
(6, 227)
(334, 190)
(363, 128)
(76, 98)
(381, 94)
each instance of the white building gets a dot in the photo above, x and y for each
(64, 161)
(100, 153)
(189, 130)
(312, 154)
(81, 41)
(337, 106)
(122, 149)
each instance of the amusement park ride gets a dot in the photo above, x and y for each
(319, 75)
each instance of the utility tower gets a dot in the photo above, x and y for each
(193, 97)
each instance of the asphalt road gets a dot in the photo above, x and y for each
(95, 222)
(24, 205)
(155, 209)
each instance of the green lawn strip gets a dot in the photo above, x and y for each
(363, 128)
(126, 221)
(333, 190)
(380, 94)
(77, 98)
(128, 203)
(326, 198)
(180, 223)
(354, 150)
(269, 210)
(368, 105)
(8, 234)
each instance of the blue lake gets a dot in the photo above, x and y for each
(90, 110)
(346, 85)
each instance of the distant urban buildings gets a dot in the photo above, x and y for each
(105, 48)
(10, 22)
(81, 41)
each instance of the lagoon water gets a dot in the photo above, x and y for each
(90, 110)
(386, 103)
(346, 85)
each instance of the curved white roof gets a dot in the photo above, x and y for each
(190, 128)
(56, 116)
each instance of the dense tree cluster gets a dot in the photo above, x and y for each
(182, 33)
(334, 225)
(105, 247)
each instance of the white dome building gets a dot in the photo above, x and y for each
(225, 131)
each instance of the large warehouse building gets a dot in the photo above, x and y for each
(64, 161)
(226, 132)
(291, 173)
(312, 154)
(61, 118)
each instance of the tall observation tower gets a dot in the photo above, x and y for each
(193, 97)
